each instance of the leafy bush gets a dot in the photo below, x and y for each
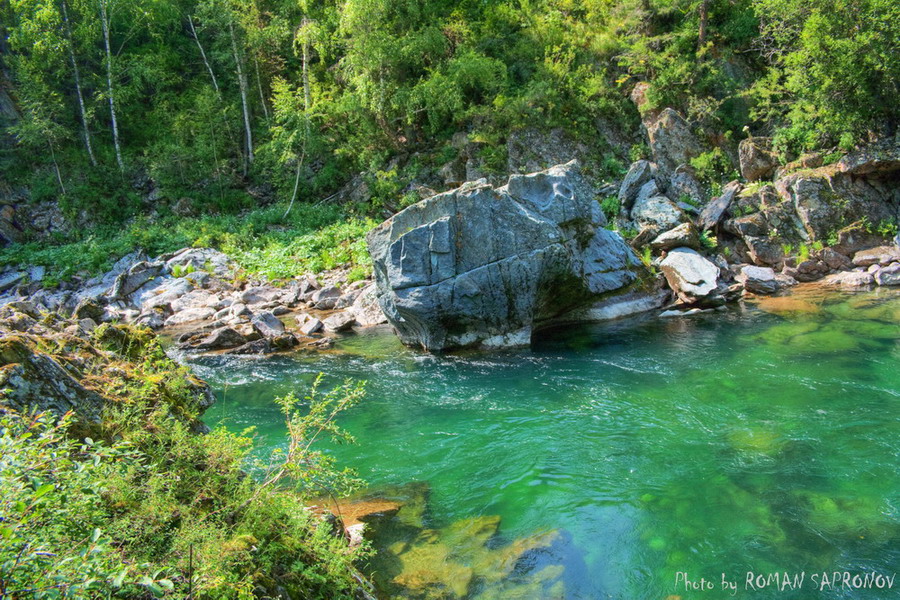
(154, 507)
(610, 207)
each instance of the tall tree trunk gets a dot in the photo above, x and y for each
(212, 75)
(83, 113)
(704, 23)
(307, 94)
(262, 96)
(104, 20)
(242, 83)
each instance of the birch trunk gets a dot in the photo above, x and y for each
(262, 97)
(242, 83)
(104, 20)
(307, 99)
(212, 75)
(86, 134)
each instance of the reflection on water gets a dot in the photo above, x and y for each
(609, 458)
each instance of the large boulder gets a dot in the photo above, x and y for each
(827, 199)
(657, 212)
(484, 266)
(692, 277)
(672, 141)
(756, 158)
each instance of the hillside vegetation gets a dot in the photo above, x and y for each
(172, 109)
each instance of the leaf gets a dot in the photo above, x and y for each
(44, 490)
(166, 584)
(6, 532)
(96, 535)
(119, 579)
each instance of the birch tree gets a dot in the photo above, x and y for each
(104, 21)
(82, 111)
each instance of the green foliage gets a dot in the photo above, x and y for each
(708, 241)
(713, 167)
(311, 239)
(610, 207)
(834, 72)
(803, 253)
(120, 516)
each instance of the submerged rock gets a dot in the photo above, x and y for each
(484, 266)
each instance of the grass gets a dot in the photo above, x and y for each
(263, 241)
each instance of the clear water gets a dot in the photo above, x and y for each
(763, 438)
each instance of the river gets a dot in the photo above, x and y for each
(617, 460)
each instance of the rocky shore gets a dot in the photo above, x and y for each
(488, 265)
(199, 297)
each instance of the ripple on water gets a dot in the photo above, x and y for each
(761, 439)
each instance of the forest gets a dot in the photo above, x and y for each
(185, 113)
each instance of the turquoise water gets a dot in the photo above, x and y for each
(762, 438)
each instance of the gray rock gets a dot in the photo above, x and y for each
(130, 281)
(658, 212)
(325, 298)
(713, 212)
(153, 318)
(764, 251)
(260, 295)
(881, 255)
(163, 295)
(347, 299)
(685, 235)
(203, 259)
(311, 326)
(342, 321)
(366, 310)
(756, 158)
(239, 309)
(36, 273)
(672, 141)
(193, 299)
(835, 260)
(221, 339)
(483, 266)
(640, 173)
(190, 315)
(758, 280)
(690, 275)
(11, 280)
(684, 183)
(889, 275)
(267, 324)
(849, 279)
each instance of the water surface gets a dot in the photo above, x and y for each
(761, 438)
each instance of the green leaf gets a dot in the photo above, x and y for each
(6, 532)
(166, 584)
(119, 579)
(44, 490)
(96, 535)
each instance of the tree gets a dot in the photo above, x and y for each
(104, 21)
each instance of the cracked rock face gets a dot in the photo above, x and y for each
(482, 266)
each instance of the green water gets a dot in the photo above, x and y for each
(722, 443)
